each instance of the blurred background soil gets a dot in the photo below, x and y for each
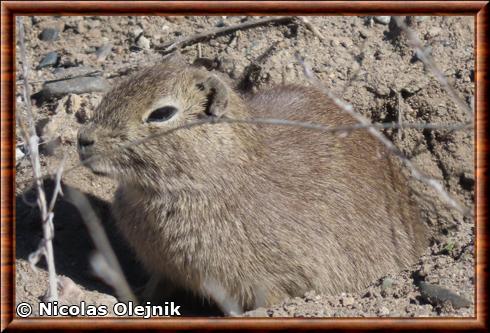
(363, 60)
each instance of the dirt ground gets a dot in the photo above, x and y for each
(360, 59)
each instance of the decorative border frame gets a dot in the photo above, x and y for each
(9, 9)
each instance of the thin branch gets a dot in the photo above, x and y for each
(104, 262)
(429, 63)
(69, 77)
(32, 140)
(310, 26)
(355, 75)
(275, 122)
(57, 188)
(416, 173)
(399, 114)
(207, 35)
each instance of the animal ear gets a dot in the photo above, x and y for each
(216, 94)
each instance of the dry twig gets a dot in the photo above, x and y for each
(310, 26)
(275, 122)
(104, 262)
(429, 63)
(31, 140)
(416, 173)
(399, 114)
(207, 35)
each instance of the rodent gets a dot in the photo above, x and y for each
(246, 214)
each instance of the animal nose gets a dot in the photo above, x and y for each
(86, 138)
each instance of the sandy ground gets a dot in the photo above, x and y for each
(364, 61)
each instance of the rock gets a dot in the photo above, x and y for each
(386, 287)
(80, 27)
(347, 300)
(383, 311)
(382, 19)
(93, 23)
(414, 86)
(19, 155)
(387, 283)
(347, 43)
(143, 42)
(49, 34)
(50, 59)
(437, 295)
(36, 19)
(79, 85)
(382, 90)
(90, 49)
(221, 23)
(434, 31)
(174, 19)
(420, 18)
(103, 51)
(424, 270)
(259, 312)
(136, 32)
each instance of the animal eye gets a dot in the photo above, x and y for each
(161, 114)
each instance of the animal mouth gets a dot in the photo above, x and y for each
(90, 161)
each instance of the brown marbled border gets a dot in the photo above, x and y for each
(9, 9)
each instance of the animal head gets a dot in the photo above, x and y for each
(133, 138)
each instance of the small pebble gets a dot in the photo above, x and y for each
(103, 51)
(382, 19)
(387, 283)
(424, 270)
(259, 312)
(50, 59)
(421, 18)
(143, 42)
(49, 34)
(434, 31)
(136, 32)
(347, 43)
(220, 24)
(347, 301)
(19, 155)
(174, 19)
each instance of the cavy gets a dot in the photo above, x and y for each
(249, 214)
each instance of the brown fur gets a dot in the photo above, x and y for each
(263, 212)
